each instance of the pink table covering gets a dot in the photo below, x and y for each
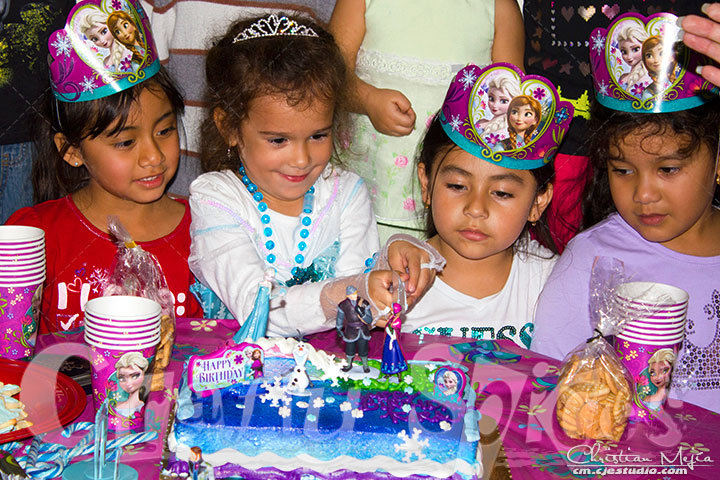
(514, 387)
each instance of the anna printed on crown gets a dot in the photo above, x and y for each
(105, 47)
(640, 66)
(501, 115)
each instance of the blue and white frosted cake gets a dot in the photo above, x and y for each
(339, 426)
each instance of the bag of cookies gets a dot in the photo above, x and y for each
(137, 272)
(593, 389)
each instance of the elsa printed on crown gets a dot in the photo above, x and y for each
(639, 66)
(105, 47)
(501, 115)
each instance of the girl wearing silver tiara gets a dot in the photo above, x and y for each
(275, 195)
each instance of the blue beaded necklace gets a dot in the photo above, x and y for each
(305, 221)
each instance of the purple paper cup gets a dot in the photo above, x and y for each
(120, 322)
(22, 258)
(22, 280)
(121, 331)
(113, 339)
(656, 326)
(122, 307)
(18, 235)
(632, 329)
(122, 375)
(652, 337)
(19, 320)
(650, 364)
(652, 294)
(22, 269)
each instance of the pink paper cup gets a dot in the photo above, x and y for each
(19, 320)
(22, 259)
(638, 337)
(656, 326)
(650, 364)
(122, 307)
(22, 280)
(123, 376)
(24, 269)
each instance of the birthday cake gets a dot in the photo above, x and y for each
(285, 410)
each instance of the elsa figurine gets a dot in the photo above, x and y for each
(255, 325)
(393, 360)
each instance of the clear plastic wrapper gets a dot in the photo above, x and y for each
(137, 272)
(594, 393)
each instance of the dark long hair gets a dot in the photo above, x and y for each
(435, 147)
(301, 69)
(52, 177)
(695, 127)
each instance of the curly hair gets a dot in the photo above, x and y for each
(301, 69)
(693, 127)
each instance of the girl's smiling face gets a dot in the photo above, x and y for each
(498, 101)
(284, 148)
(653, 58)
(125, 32)
(631, 51)
(662, 194)
(522, 118)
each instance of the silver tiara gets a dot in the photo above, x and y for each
(274, 26)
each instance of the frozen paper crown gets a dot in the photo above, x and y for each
(105, 47)
(501, 115)
(639, 66)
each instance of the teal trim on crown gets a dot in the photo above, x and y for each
(112, 88)
(655, 107)
(478, 151)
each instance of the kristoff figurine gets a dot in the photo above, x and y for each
(353, 323)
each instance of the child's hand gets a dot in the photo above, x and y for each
(379, 284)
(390, 112)
(703, 35)
(406, 259)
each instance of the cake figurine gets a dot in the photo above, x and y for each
(393, 360)
(353, 323)
(255, 325)
(300, 380)
(196, 467)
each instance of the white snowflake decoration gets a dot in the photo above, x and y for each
(603, 88)
(333, 371)
(284, 412)
(408, 379)
(303, 404)
(455, 122)
(445, 426)
(598, 42)
(412, 445)
(468, 79)
(276, 393)
(345, 406)
(406, 408)
(357, 413)
(430, 366)
(88, 84)
(318, 402)
(62, 45)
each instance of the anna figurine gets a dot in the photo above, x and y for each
(393, 360)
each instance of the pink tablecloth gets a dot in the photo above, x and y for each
(515, 388)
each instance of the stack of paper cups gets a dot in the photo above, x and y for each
(22, 273)
(649, 343)
(123, 332)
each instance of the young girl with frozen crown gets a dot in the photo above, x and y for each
(656, 175)
(107, 146)
(481, 208)
(273, 198)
